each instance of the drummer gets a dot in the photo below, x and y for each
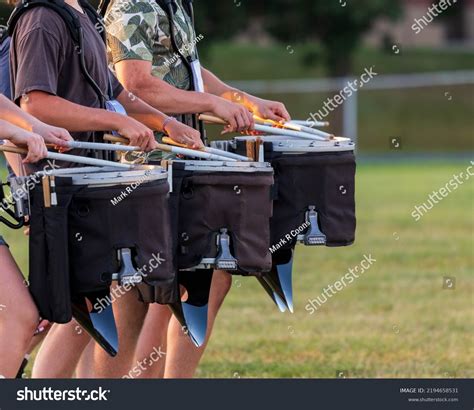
(147, 64)
(48, 82)
(19, 325)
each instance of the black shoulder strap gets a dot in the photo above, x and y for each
(3, 33)
(103, 6)
(71, 20)
(95, 17)
(165, 4)
(73, 24)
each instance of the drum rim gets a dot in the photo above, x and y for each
(111, 177)
(221, 166)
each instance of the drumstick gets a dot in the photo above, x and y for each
(295, 127)
(264, 128)
(311, 123)
(95, 146)
(215, 151)
(175, 150)
(46, 191)
(70, 158)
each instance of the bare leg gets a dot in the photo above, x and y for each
(182, 357)
(130, 314)
(85, 367)
(60, 352)
(153, 335)
(18, 315)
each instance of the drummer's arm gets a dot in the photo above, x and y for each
(157, 121)
(15, 115)
(136, 76)
(74, 117)
(273, 110)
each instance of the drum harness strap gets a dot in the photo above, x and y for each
(170, 8)
(77, 34)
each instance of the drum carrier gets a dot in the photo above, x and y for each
(314, 200)
(90, 227)
(220, 220)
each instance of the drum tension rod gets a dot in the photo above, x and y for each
(224, 259)
(314, 236)
(127, 275)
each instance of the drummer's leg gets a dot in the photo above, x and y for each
(129, 314)
(152, 338)
(60, 352)
(85, 367)
(18, 315)
(182, 357)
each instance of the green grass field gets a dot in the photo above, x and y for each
(394, 321)
(250, 62)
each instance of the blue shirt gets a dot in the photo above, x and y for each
(5, 68)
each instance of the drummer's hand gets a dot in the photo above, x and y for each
(138, 134)
(33, 142)
(238, 117)
(183, 134)
(53, 135)
(266, 109)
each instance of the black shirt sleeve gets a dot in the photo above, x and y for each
(39, 61)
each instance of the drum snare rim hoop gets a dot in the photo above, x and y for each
(102, 178)
(219, 166)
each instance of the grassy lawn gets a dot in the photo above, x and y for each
(394, 321)
(248, 62)
(404, 114)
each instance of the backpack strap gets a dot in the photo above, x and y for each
(73, 24)
(103, 6)
(95, 17)
(72, 21)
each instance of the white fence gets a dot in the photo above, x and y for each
(350, 106)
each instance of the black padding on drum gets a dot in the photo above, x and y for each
(323, 179)
(88, 237)
(202, 203)
(49, 263)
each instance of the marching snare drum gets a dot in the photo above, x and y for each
(92, 227)
(221, 220)
(315, 185)
(314, 200)
(222, 211)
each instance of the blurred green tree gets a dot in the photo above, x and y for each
(338, 25)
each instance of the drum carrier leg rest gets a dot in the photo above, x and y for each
(224, 259)
(278, 282)
(100, 322)
(192, 313)
(313, 236)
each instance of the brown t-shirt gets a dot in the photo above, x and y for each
(44, 58)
